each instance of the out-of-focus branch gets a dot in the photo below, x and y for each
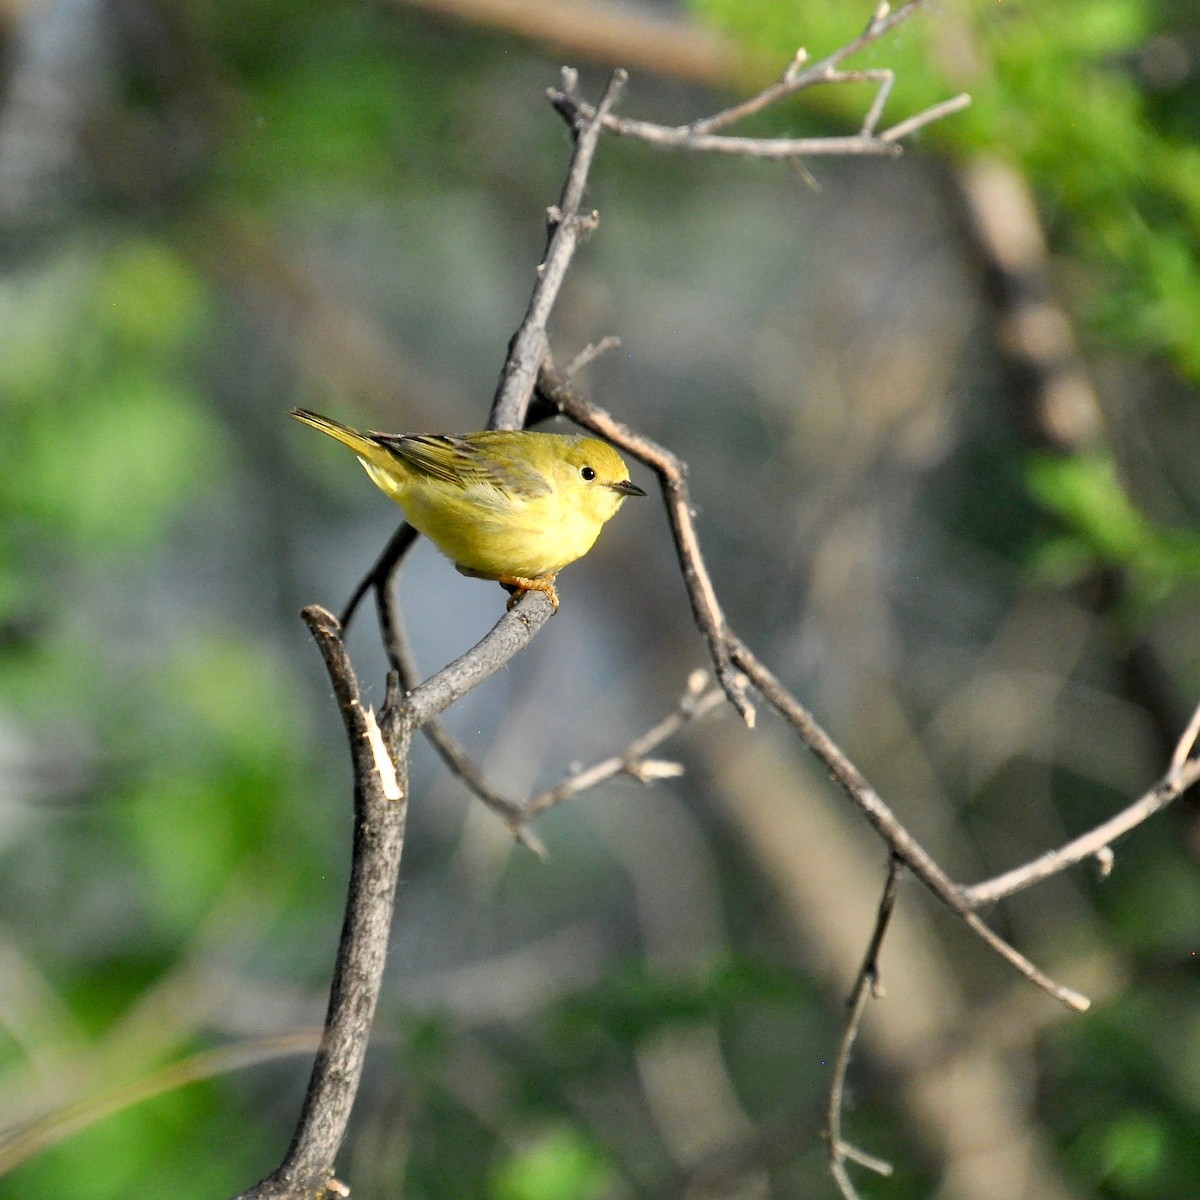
(865, 986)
(1056, 406)
(597, 32)
(35, 1136)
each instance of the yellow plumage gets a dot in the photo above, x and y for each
(515, 507)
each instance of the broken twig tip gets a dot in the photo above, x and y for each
(1076, 1000)
(650, 770)
(384, 767)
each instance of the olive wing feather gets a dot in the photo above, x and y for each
(489, 459)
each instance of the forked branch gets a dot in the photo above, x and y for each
(704, 135)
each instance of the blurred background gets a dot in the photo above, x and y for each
(941, 416)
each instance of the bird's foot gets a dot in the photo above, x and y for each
(518, 585)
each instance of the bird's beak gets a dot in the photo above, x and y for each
(626, 487)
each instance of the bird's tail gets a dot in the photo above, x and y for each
(362, 445)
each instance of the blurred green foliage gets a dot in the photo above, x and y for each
(1081, 96)
(1104, 530)
(559, 1165)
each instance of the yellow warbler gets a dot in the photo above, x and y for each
(515, 507)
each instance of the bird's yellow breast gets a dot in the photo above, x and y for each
(492, 532)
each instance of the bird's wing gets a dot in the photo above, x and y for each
(475, 460)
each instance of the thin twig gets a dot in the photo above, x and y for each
(902, 843)
(531, 342)
(1182, 774)
(1185, 747)
(458, 762)
(824, 70)
(866, 985)
(590, 353)
(672, 474)
(919, 120)
(702, 135)
(380, 575)
(697, 700)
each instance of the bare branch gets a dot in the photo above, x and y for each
(380, 807)
(1185, 747)
(1096, 843)
(1065, 995)
(781, 148)
(380, 575)
(935, 112)
(824, 70)
(914, 856)
(403, 661)
(866, 985)
(531, 343)
(703, 136)
(590, 353)
(682, 137)
(696, 701)
(672, 474)
(732, 657)
(511, 634)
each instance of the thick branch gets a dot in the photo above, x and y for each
(380, 807)
(511, 634)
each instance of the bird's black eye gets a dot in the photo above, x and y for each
(587, 473)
